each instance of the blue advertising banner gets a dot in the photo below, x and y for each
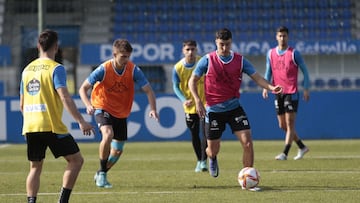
(169, 53)
(325, 116)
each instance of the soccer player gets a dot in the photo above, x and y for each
(223, 71)
(112, 96)
(180, 78)
(282, 65)
(43, 95)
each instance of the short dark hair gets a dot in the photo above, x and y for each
(282, 29)
(122, 45)
(189, 42)
(47, 39)
(223, 34)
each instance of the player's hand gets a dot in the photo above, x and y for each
(200, 109)
(277, 89)
(265, 94)
(153, 114)
(90, 110)
(188, 103)
(86, 128)
(306, 96)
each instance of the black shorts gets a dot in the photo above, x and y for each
(286, 103)
(236, 118)
(119, 125)
(60, 145)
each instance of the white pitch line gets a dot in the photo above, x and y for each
(103, 193)
(4, 145)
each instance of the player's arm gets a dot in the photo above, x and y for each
(268, 75)
(69, 104)
(176, 82)
(249, 69)
(301, 64)
(201, 68)
(142, 81)
(95, 76)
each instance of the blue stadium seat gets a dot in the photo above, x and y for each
(319, 83)
(346, 83)
(357, 82)
(333, 83)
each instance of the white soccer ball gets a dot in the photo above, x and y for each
(248, 177)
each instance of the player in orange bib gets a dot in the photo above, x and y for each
(113, 89)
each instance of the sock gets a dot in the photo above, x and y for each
(287, 149)
(64, 195)
(300, 144)
(103, 165)
(31, 199)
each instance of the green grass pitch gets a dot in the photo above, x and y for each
(164, 172)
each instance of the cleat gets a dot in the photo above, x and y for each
(203, 166)
(198, 167)
(254, 189)
(213, 167)
(301, 153)
(101, 180)
(281, 156)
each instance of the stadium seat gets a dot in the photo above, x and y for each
(346, 83)
(333, 83)
(319, 83)
(357, 82)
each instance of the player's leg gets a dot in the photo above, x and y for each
(244, 136)
(280, 110)
(117, 148)
(36, 149)
(74, 164)
(64, 145)
(214, 127)
(33, 180)
(117, 144)
(192, 122)
(202, 135)
(105, 146)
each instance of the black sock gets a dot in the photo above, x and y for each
(287, 149)
(300, 144)
(31, 199)
(103, 165)
(64, 195)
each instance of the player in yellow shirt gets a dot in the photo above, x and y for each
(181, 73)
(43, 94)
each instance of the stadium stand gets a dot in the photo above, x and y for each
(160, 21)
(321, 20)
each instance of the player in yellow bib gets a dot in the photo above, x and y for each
(181, 73)
(43, 95)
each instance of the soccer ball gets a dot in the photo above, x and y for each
(248, 177)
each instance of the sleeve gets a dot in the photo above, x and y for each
(301, 64)
(176, 88)
(268, 72)
(201, 66)
(59, 77)
(248, 68)
(96, 75)
(139, 77)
